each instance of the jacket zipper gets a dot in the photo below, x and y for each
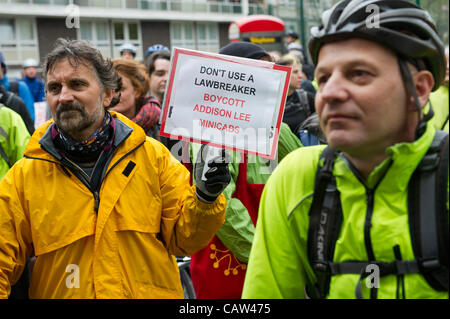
(370, 198)
(369, 210)
(368, 220)
(80, 171)
(96, 201)
(84, 178)
(368, 223)
(367, 227)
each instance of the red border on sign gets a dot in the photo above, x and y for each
(257, 63)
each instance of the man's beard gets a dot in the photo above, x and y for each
(72, 118)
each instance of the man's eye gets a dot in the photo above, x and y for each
(360, 73)
(78, 84)
(54, 88)
(360, 76)
(322, 79)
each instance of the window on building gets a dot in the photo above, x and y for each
(133, 31)
(7, 29)
(119, 33)
(97, 33)
(86, 31)
(207, 36)
(108, 37)
(18, 40)
(127, 32)
(197, 36)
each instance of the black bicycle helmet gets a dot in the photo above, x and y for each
(400, 25)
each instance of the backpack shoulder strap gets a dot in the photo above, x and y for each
(303, 97)
(3, 155)
(325, 219)
(445, 122)
(10, 96)
(428, 215)
(14, 87)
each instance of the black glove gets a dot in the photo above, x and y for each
(217, 175)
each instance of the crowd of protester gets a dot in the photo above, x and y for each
(364, 113)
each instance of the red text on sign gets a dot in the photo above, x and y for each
(223, 99)
(242, 116)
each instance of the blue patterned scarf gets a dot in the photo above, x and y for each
(90, 149)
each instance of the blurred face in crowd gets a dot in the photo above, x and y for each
(30, 72)
(128, 96)
(1, 72)
(76, 99)
(289, 39)
(159, 77)
(295, 78)
(127, 55)
(361, 100)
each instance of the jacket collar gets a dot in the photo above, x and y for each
(402, 160)
(41, 143)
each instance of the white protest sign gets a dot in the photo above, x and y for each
(229, 102)
(40, 113)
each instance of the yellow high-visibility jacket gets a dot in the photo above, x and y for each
(147, 213)
(14, 137)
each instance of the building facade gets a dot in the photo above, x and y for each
(29, 28)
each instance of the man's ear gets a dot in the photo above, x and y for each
(423, 83)
(107, 97)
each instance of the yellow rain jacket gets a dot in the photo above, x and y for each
(147, 213)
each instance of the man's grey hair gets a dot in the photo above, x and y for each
(81, 52)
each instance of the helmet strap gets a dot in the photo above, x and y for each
(430, 113)
(407, 78)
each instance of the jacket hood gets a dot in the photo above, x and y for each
(41, 144)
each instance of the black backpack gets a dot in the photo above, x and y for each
(15, 103)
(428, 225)
(14, 87)
(297, 109)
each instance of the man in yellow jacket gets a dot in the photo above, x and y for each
(102, 207)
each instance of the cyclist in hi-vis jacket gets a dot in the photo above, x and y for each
(319, 234)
